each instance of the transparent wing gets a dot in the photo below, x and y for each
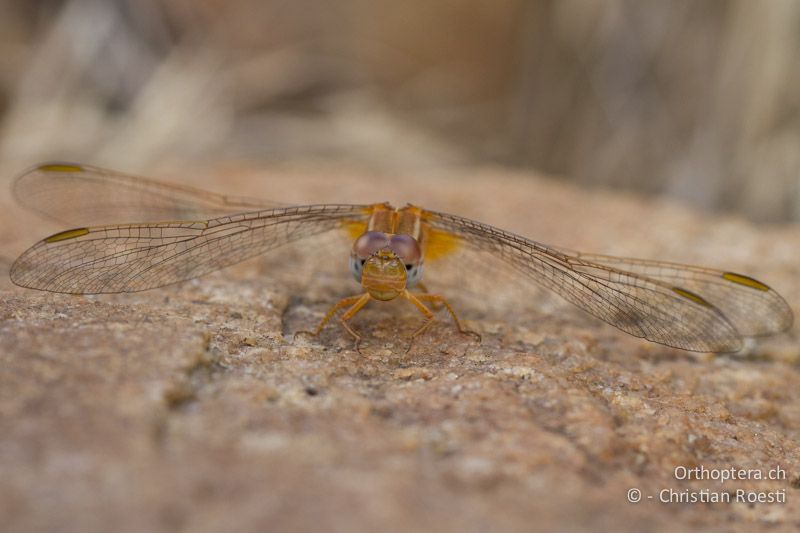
(137, 257)
(664, 308)
(77, 195)
(753, 307)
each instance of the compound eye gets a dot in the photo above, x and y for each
(406, 248)
(369, 243)
(356, 267)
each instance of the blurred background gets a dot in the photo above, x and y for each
(696, 100)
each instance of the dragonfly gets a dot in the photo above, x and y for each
(188, 232)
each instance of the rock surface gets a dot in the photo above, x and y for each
(193, 408)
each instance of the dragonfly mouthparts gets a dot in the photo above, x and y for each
(384, 275)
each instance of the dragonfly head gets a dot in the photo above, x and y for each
(385, 265)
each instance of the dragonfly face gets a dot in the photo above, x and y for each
(385, 264)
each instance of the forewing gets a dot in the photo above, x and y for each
(751, 306)
(645, 307)
(137, 257)
(76, 195)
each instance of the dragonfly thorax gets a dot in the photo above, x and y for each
(386, 264)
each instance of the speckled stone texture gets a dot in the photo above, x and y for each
(192, 407)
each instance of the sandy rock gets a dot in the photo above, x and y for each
(193, 407)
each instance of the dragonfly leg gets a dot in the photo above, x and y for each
(424, 290)
(355, 302)
(427, 313)
(360, 302)
(438, 299)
